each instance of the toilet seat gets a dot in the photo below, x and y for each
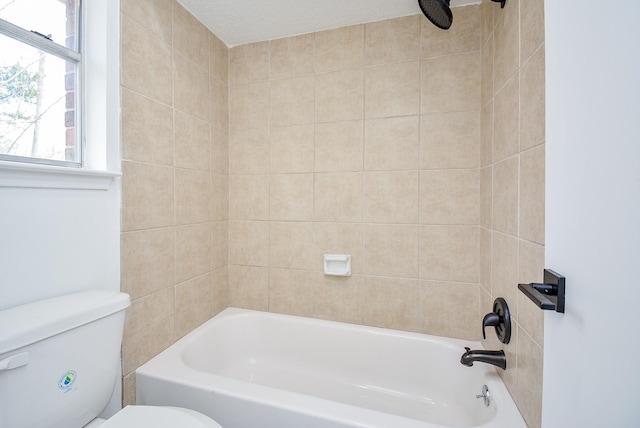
(158, 417)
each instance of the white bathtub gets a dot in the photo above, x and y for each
(249, 369)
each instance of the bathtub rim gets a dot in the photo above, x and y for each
(302, 403)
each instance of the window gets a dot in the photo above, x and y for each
(97, 76)
(40, 69)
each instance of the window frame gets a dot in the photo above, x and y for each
(43, 43)
(99, 79)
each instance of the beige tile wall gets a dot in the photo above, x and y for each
(175, 150)
(512, 185)
(362, 140)
(417, 151)
(424, 151)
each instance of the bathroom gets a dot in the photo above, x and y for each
(206, 223)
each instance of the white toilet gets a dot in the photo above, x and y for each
(59, 361)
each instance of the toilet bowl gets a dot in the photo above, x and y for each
(155, 417)
(61, 356)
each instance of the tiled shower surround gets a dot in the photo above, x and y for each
(418, 151)
(174, 93)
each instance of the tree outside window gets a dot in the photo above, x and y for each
(39, 66)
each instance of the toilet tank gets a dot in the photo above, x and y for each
(59, 359)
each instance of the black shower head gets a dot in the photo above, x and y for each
(438, 12)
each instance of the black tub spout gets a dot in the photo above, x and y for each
(496, 358)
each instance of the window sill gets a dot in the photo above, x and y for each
(52, 177)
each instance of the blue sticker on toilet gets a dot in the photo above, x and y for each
(67, 380)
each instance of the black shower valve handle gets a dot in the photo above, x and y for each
(500, 318)
(491, 320)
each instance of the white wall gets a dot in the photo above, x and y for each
(55, 241)
(592, 352)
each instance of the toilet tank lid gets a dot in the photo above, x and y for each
(29, 323)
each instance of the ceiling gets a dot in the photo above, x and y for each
(237, 22)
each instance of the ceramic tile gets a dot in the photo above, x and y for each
(190, 36)
(339, 96)
(338, 146)
(392, 90)
(249, 63)
(249, 151)
(147, 196)
(249, 197)
(486, 19)
(249, 243)
(129, 389)
(147, 129)
(338, 197)
(532, 192)
(450, 140)
(449, 309)
(450, 197)
(149, 328)
(220, 104)
(392, 143)
(350, 53)
(219, 152)
(530, 371)
(291, 197)
(191, 88)
(292, 101)
(219, 244)
(193, 251)
(192, 142)
(506, 141)
(249, 106)
(193, 304)
(192, 196)
(486, 64)
(485, 259)
(292, 56)
(532, 101)
(391, 250)
(391, 303)
(486, 197)
(147, 261)
(292, 292)
(219, 290)
(339, 298)
(505, 196)
(154, 15)
(451, 83)
(291, 245)
(506, 43)
(449, 253)
(146, 65)
(249, 287)
(392, 40)
(292, 149)
(391, 197)
(219, 59)
(531, 27)
(219, 197)
(486, 135)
